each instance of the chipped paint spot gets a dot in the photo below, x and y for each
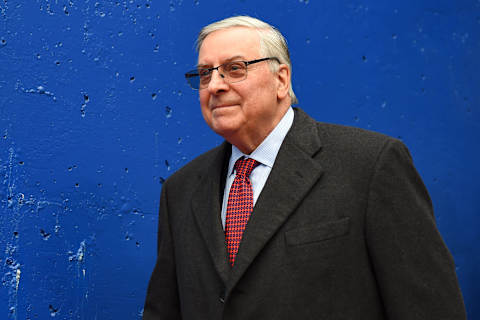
(83, 108)
(44, 234)
(53, 311)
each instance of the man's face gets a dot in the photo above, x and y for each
(243, 112)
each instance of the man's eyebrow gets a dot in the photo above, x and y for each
(206, 65)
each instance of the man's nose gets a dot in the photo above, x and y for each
(217, 82)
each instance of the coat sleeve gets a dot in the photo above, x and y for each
(415, 271)
(162, 302)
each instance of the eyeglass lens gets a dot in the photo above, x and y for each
(231, 71)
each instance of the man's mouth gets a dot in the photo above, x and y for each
(223, 105)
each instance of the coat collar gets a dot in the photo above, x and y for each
(292, 176)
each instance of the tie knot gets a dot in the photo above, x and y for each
(245, 166)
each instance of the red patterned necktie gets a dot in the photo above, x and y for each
(239, 206)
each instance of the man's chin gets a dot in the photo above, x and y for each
(226, 129)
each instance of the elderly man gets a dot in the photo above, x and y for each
(290, 218)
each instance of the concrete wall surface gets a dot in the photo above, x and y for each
(95, 114)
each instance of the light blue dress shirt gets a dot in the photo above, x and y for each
(265, 153)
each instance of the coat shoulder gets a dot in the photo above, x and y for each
(355, 141)
(345, 139)
(330, 133)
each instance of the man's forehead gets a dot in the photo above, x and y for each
(226, 44)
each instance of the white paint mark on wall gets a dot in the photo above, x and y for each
(80, 255)
(17, 277)
(39, 90)
(45, 203)
(81, 251)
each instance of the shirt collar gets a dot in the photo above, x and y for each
(267, 151)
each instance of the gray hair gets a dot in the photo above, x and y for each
(272, 42)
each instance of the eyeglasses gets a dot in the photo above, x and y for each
(231, 72)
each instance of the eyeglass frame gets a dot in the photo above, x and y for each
(195, 73)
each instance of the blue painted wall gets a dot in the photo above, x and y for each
(95, 114)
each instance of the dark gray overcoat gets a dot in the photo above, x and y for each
(343, 229)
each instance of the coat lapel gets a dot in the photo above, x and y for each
(292, 176)
(206, 207)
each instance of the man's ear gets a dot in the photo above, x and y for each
(283, 81)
